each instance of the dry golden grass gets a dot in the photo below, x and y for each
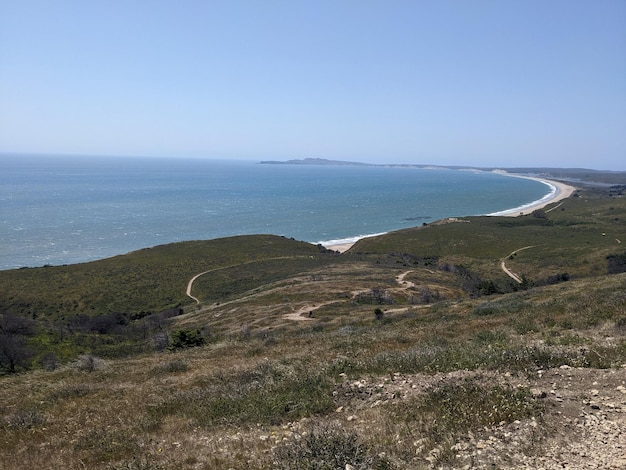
(162, 410)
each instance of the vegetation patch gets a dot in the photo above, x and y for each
(326, 447)
(452, 408)
(270, 393)
(181, 339)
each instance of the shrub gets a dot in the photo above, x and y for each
(378, 313)
(616, 263)
(14, 354)
(181, 339)
(325, 448)
(49, 361)
(88, 363)
(25, 419)
(375, 296)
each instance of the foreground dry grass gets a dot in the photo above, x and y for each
(533, 379)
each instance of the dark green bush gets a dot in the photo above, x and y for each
(378, 313)
(181, 339)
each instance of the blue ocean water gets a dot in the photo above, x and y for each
(61, 210)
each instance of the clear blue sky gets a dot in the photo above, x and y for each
(467, 82)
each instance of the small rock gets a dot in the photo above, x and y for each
(536, 393)
(351, 418)
(339, 410)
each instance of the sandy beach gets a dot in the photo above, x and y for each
(560, 191)
(341, 247)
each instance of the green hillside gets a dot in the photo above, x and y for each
(412, 350)
(144, 281)
(574, 236)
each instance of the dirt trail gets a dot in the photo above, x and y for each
(190, 285)
(555, 207)
(402, 282)
(507, 271)
(192, 280)
(300, 314)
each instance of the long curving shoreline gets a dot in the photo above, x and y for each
(558, 192)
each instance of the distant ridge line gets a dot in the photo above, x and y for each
(579, 173)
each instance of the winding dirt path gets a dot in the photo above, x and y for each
(299, 315)
(190, 285)
(507, 271)
(192, 280)
(406, 284)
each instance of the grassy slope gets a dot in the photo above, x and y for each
(150, 280)
(245, 400)
(229, 404)
(575, 238)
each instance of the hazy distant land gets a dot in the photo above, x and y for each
(584, 176)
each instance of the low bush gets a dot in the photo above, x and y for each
(25, 419)
(88, 363)
(326, 448)
(182, 339)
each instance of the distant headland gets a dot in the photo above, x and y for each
(585, 176)
(314, 161)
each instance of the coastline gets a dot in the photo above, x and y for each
(558, 192)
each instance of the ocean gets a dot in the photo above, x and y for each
(63, 210)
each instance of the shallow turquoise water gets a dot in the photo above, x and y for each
(56, 210)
